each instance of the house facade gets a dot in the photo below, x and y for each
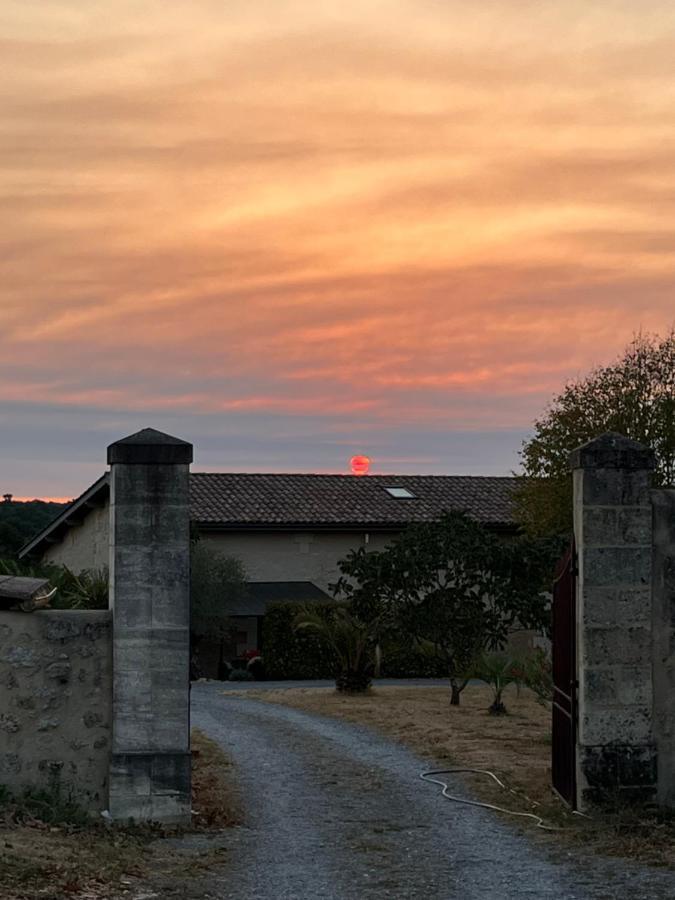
(289, 530)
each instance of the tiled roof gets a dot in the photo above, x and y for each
(236, 500)
(324, 500)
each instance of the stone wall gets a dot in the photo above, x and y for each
(56, 702)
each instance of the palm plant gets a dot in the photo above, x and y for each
(88, 590)
(352, 641)
(498, 670)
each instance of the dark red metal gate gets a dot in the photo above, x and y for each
(564, 726)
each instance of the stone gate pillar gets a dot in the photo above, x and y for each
(150, 600)
(613, 531)
(663, 624)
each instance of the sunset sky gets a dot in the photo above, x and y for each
(293, 231)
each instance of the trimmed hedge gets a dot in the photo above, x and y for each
(401, 659)
(292, 655)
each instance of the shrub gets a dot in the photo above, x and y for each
(498, 670)
(349, 639)
(256, 667)
(291, 654)
(538, 675)
(88, 590)
(401, 658)
(241, 675)
(52, 805)
(294, 655)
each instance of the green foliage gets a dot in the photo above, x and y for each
(403, 658)
(217, 581)
(291, 654)
(634, 396)
(454, 587)
(241, 675)
(52, 805)
(20, 521)
(537, 674)
(498, 670)
(350, 640)
(88, 590)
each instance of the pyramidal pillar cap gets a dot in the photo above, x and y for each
(612, 451)
(150, 447)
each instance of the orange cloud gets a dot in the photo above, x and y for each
(397, 212)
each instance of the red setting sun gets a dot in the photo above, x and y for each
(360, 465)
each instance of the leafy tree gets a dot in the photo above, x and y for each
(216, 582)
(20, 521)
(11, 539)
(456, 588)
(634, 396)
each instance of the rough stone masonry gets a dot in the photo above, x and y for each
(55, 703)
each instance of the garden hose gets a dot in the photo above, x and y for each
(429, 776)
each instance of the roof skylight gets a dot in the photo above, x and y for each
(400, 493)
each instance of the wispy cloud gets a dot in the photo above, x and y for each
(367, 218)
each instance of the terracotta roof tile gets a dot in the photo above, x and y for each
(259, 499)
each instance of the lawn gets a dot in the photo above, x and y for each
(516, 747)
(96, 860)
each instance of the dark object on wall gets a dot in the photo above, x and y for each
(26, 593)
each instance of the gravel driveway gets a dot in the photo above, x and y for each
(335, 811)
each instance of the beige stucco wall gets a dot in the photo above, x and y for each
(267, 556)
(84, 546)
(293, 556)
(56, 702)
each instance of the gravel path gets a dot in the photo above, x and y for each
(336, 812)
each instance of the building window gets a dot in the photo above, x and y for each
(400, 493)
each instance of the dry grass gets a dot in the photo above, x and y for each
(215, 799)
(95, 860)
(517, 748)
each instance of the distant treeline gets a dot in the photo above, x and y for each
(20, 521)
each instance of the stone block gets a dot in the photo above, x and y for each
(151, 787)
(634, 685)
(148, 486)
(615, 487)
(623, 567)
(10, 766)
(9, 723)
(612, 451)
(599, 686)
(62, 630)
(161, 524)
(637, 765)
(600, 725)
(608, 767)
(615, 607)
(617, 526)
(615, 646)
(60, 671)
